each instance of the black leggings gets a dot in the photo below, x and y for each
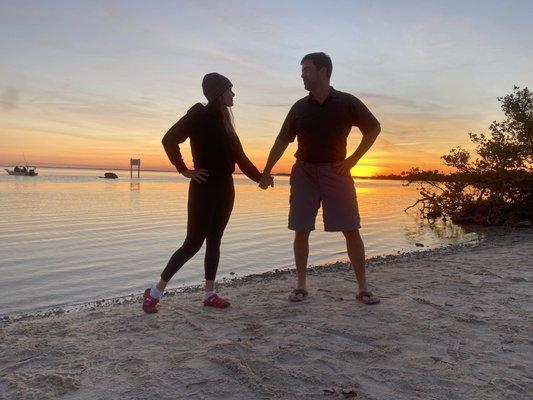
(209, 208)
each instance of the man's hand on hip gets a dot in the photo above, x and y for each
(344, 167)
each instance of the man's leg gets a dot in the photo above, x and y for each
(301, 254)
(356, 253)
(304, 204)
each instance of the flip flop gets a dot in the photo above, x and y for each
(298, 295)
(367, 298)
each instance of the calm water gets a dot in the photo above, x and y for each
(68, 237)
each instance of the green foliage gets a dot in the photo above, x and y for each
(496, 187)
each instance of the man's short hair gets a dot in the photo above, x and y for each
(320, 60)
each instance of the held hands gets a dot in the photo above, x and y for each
(266, 181)
(197, 175)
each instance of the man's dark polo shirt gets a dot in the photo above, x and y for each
(322, 129)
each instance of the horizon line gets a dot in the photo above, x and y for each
(172, 171)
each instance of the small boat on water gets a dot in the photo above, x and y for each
(25, 170)
(109, 175)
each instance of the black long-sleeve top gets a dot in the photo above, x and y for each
(213, 148)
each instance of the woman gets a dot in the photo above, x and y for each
(215, 149)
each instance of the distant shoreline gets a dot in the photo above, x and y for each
(391, 177)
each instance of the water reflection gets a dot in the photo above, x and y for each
(442, 229)
(88, 236)
(445, 231)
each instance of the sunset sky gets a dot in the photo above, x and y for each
(93, 83)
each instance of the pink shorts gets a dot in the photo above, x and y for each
(313, 185)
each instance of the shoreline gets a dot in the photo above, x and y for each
(237, 280)
(453, 323)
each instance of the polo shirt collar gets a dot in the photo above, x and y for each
(332, 93)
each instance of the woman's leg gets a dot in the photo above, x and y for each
(189, 248)
(200, 212)
(220, 218)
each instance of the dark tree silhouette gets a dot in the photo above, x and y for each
(494, 188)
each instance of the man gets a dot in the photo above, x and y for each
(321, 175)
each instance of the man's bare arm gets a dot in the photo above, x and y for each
(366, 143)
(276, 152)
(368, 140)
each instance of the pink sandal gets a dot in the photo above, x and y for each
(216, 301)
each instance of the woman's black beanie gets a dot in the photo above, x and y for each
(215, 85)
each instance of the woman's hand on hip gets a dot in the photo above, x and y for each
(197, 175)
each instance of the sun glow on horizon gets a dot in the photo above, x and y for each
(366, 170)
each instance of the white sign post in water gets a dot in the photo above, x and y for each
(137, 162)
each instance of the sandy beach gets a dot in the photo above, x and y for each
(454, 323)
